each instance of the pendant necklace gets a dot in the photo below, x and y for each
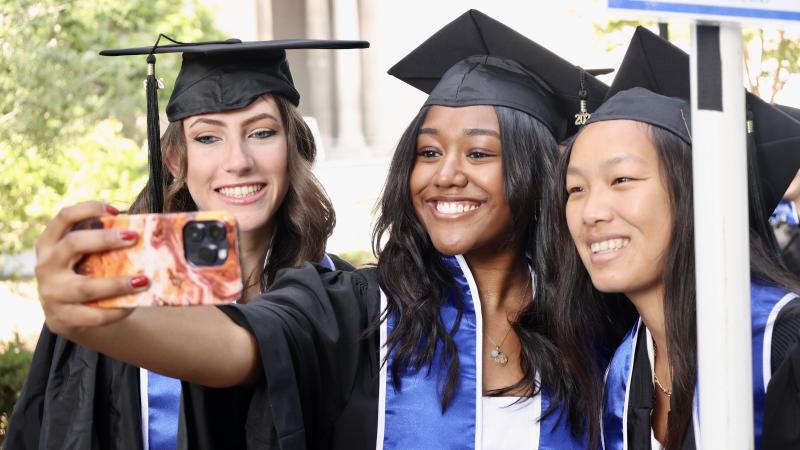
(667, 392)
(497, 354)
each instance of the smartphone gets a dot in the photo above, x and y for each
(190, 258)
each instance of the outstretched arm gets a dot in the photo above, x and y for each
(196, 344)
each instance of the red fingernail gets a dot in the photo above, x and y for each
(139, 281)
(128, 235)
(111, 210)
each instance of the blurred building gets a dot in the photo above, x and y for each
(361, 111)
(335, 85)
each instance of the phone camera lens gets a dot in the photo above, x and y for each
(207, 255)
(195, 232)
(217, 232)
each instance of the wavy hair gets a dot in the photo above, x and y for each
(417, 282)
(305, 218)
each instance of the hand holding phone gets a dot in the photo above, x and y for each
(190, 259)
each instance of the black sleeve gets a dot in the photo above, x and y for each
(75, 398)
(782, 404)
(791, 249)
(311, 331)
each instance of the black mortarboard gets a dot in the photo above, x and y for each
(794, 112)
(216, 77)
(476, 60)
(663, 69)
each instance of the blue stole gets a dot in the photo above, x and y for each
(163, 406)
(327, 261)
(614, 427)
(412, 417)
(785, 212)
(766, 303)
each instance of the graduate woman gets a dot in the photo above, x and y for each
(235, 143)
(437, 347)
(625, 214)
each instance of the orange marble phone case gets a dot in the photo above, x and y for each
(160, 254)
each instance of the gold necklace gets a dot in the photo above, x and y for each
(666, 392)
(497, 354)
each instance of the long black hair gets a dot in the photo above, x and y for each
(417, 281)
(584, 321)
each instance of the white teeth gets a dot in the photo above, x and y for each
(609, 245)
(241, 191)
(455, 207)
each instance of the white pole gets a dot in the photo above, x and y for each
(724, 354)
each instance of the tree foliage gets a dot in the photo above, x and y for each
(776, 54)
(72, 122)
(15, 360)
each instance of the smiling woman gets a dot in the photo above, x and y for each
(235, 143)
(457, 181)
(255, 163)
(624, 232)
(619, 207)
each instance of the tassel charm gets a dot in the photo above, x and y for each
(583, 115)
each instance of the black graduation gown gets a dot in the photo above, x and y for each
(788, 237)
(782, 405)
(320, 360)
(76, 398)
(782, 402)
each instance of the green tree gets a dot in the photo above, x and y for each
(14, 362)
(770, 56)
(72, 122)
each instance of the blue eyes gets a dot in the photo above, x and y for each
(260, 134)
(207, 139)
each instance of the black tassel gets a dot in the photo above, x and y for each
(154, 139)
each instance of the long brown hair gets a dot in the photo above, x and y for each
(305, 218)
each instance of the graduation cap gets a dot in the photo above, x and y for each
(217, 76)
(476, 60)
(794, 112)
(652, 85)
